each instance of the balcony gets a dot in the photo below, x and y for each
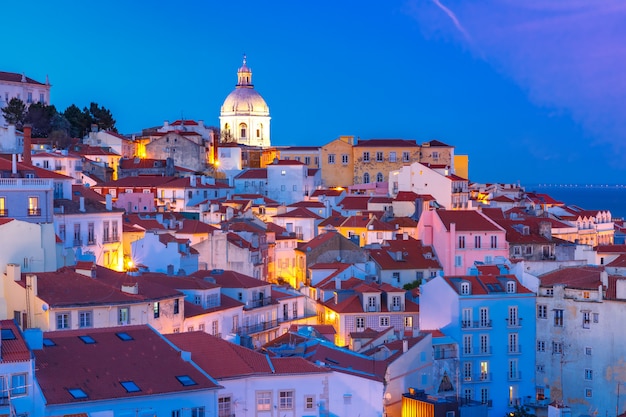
(479, 377)
(77, 242)
(514, 376)
(514, 349)
(111, 239)
(257, 328)
(444, 353)
(260, 302)
(34, 212)
(474, 351)
(4, 213)
(516, 322)
(476, 324)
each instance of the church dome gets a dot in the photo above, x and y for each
(244, 100)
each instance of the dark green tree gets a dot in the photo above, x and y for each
(102, 117)
(39, 116)
(59, 135)
(15, 112)
(79, 121)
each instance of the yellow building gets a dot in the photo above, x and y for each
(337, 162)
(375, 158)
(308, 155)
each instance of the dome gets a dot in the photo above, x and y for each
(245, 101)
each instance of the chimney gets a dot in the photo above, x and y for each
(27, 145)
(109, 202)
(405, 345)
(192, 180)
(337, 282)
(14, 272)
(82, 205)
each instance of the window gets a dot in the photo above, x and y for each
(540, 368)
(156, 308)
(18, 385)
(588, 392)
(91, 235)
(63, 321)
(587, 351)
(123, 315)
(360, 323)
(105, 232)
(176, 306)
(406, 157)
(331, 158)
(396, 276)
(392, 156)
(458, 260)
(242, 130)
(494, 242)
(510, 287)
(513, 373)
(484, 343)
(596, 317)
(483, 313)
(517, 251)
(542, 311)
(467, 344)
(198, 412)
(513, 346)
(366, 156)
(307, 160)
(557, 348)
(467, 371)
(130, 386)
(85, 319)
(465, 288)
(467, 317)
(461, 242)
(215, 328)
(408, 322)
(380, 177)
(541, 346)
(29, 98)
(586, 319)
(588, 374)
(283, 172)
(558, 318)
(484, 395)
(62, 232)
(263, 401)
(366, 178)
(224, 407)
(285, 400)
(484, 370)
(282, 188)
(380, 157)
(477, 242)
(435, 155)
(344, 159)
(467, 394)
(396, 303)
(309, 402)
(33, 206)
(384, 321)
(186, 380)
(513, 317)
(586, 294)
(77, 393)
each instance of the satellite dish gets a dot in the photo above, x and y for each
(44, 307)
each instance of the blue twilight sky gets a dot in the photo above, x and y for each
(533, 90)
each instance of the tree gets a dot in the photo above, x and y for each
(40, 116)
(102, 117)
(412, 285)
(80, 123)
(15, 112)
(227, 137)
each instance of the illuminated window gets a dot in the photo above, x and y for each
(33, 206)
(263, 401)
(3, 211)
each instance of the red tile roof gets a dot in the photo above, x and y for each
(253, 173)
(582, 277)
(466, 221)
(13, 350)
(353, 202)
(231, 279)
(300, 213)
(16, 78)
(147, 360)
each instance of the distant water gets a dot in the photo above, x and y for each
(589, 197)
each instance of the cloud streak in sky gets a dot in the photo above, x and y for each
(454, 19)
(567, 56)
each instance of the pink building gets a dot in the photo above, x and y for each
(461, 238)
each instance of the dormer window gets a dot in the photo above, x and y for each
(510, 287)
(465, 288)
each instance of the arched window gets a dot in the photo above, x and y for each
(227, 127)
(510, 287)
(465, 288)
(259, 130)
(366, 178)
(379, 177)
(242, 130)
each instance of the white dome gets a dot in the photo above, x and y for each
(244, 101)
